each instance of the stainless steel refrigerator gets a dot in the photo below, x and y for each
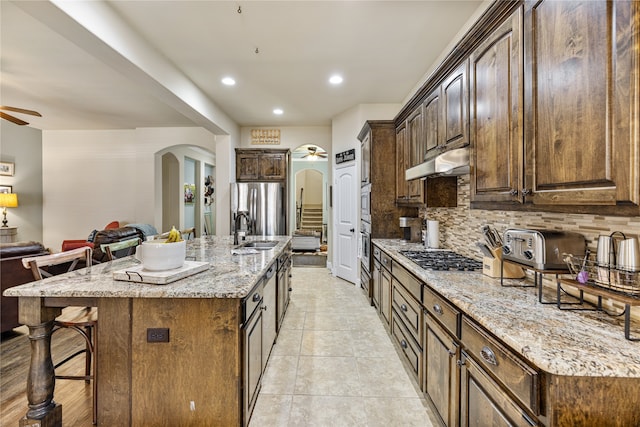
(266, 205)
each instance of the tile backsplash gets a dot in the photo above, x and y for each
(460, 227)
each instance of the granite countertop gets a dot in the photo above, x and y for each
(228, 276)
(560, 342)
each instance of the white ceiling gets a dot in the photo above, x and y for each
(382, 49)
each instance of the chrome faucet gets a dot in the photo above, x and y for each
(238, 221)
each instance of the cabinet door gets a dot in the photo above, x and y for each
(496, 86)
(455, 110)
(416, 138)
(385, 294)
(441, 373)
(401, 166)
(273, 166)
(432, 119)
(375, 284)
(252, 361)
(483, 403)
(365, 168)
(247, 166)
(581, 87)
(269, 315)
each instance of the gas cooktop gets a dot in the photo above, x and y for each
(442, 260)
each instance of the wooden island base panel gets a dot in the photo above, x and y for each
(175, 354)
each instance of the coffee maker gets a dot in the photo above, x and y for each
(410, 229)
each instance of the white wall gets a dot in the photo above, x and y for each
(93, 177)
(22, 146)
(345, 129)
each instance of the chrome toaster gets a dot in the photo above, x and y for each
(542, 249)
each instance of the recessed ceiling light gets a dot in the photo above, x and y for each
(335, 79)
(278, 111)
(229, 81)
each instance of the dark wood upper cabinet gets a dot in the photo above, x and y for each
(455, 98)
(261, 164)
(446, 113)
(432, 120)
(416, 138)
(496, 91)
(581, 108)
(402, 190)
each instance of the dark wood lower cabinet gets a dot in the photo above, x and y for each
(441, 373)
(375, 284)
(483, 403)
(385, 294)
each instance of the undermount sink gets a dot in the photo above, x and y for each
(260, 244)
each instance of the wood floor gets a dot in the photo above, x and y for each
(75, 396)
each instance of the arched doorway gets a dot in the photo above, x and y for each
(185, 189)
(309, 208)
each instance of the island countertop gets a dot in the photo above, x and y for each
(228, 275)
(561, 342)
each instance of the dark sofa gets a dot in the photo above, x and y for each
(12, 273)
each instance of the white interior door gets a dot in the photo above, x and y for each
(346, 216)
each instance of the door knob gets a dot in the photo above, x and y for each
(352, 230)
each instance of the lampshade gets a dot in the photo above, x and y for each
(8, 200)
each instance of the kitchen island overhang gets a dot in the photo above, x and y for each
(197, 375)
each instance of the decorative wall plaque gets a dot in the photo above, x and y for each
(265, 136)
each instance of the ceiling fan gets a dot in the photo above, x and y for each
(313, 152)
(17, 110)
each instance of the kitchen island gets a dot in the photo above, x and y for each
(530, 363)
(197, 377)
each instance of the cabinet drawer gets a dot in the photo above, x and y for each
(410, 349)
(252, 301)
(377, 253)
(385, 260)
(440, 309)
(413, 285)
(505, 365)
(408, 309)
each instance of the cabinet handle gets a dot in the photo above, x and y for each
(451, 353)
(403, 344)
(526, 192)
(513, 192)
(264, 307)
(256, 297)
(438, 309)
(403, 307)
(460, 362)
(488, 356)
(290, 289)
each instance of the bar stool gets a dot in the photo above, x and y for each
(83, 321)
(110, 249)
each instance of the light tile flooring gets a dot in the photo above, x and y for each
(334, 363)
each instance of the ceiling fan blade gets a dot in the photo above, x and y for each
(20, 110)
(13, 119)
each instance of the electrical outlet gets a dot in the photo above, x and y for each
(157, 334)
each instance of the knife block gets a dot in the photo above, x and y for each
(491, 266)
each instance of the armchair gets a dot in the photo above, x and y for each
(12, 274)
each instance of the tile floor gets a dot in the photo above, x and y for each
(334, 363)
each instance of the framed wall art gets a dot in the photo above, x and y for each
(189, 193)
(7, 168)
(6, 189)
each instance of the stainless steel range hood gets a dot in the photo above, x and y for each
(450, 163)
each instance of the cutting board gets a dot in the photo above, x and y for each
(139, 275)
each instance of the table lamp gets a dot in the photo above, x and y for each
(7, 200)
